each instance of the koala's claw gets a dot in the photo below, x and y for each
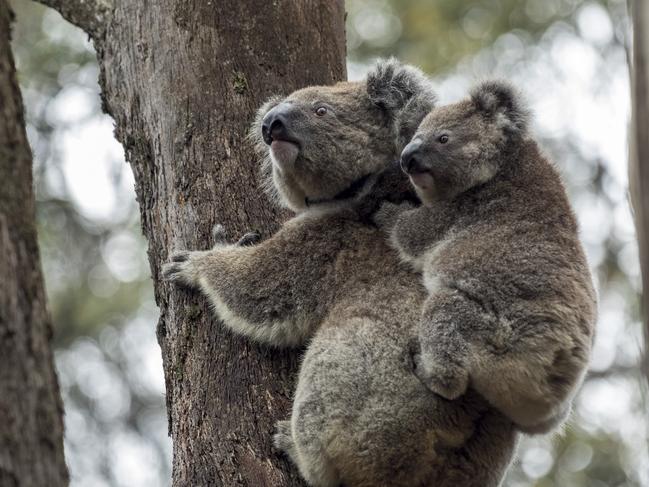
(182, 268)
(250, 238)
(171, 271)
(220, 237)
(180, 256)
(219, 234)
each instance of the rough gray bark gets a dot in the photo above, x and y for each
(31, 428)
(91, 15)
(182, 80)
(639, 150)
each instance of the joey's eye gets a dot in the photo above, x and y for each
(443, 139)
(321, 111)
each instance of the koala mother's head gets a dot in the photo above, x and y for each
(321, 143)
(465, 144)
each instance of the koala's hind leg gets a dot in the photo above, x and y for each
(534, 382)
(310, 459)
(303, 439)
(283, 440)
(485, 457)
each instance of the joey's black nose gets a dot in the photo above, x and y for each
(411, 157)
(274, 125)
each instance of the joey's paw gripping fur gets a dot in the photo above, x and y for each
(444, 379)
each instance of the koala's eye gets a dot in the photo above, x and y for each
(443, 139)
(321, 111)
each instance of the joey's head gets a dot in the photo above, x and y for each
(322, 143)
(465, 144)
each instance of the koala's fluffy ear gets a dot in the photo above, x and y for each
(500, 100)
(404, 92)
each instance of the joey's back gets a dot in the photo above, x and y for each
(499, 217)
(518, 237)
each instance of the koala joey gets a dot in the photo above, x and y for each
(511, 307)
(329, 280)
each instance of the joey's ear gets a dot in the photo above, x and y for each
(404, 92)
(500, 99)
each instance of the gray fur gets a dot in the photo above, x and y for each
(500, 97)
(329, 280)
(512, 309)
(405, 92)
(367, 126)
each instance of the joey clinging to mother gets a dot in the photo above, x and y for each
(511, 307)
(327, 279)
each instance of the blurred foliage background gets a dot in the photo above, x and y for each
(568, 57)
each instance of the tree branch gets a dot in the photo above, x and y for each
(639, 153)
(90, 15)
(31, 429)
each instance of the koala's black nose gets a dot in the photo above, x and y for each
(410, 157)
(274, 125)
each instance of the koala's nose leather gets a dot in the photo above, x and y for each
(274, 125)
(410, 157)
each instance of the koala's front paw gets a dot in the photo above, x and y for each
(448, 380)
(183, 268)
(386, 217)
(221, 238)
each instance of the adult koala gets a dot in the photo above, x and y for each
(329, 280)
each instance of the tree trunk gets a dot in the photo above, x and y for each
(639, 151)
(182, 80)
(31, 427)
